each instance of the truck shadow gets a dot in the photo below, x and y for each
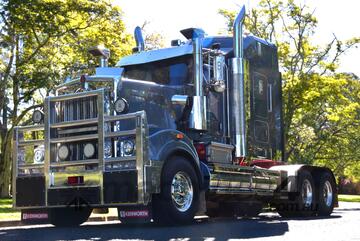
(214, 229)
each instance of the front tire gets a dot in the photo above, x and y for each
(179, 197)
(69, 217)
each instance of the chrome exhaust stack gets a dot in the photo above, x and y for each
(197, 120)
(237, 94)
(140, 43)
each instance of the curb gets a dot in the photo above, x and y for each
(16, 223)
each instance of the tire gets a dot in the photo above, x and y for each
(69, 217)
(326, 194)
(304, 201)
(175, 203)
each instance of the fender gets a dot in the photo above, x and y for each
(293, 171)
(165, 143)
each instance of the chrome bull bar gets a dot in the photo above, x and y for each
(56, 171)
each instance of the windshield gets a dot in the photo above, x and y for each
(175, 71)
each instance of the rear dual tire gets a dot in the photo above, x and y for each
(326, 195)
(312, 199)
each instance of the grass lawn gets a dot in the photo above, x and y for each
(7, 213)
(349, 198)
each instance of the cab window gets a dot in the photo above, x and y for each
(176, 71)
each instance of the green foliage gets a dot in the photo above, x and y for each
(321, 106)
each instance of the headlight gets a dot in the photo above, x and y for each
(37, 116)
(89, 150)
(39, 154)
(121, 106)
(63, 152)
(127, 148)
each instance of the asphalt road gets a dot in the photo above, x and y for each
(343, 224)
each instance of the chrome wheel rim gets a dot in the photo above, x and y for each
(328, 194)
(307, 193)
(182, 191)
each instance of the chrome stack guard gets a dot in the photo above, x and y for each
(144, 187)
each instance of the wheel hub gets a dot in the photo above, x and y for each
(182, 191)
(328, 193)
(307, 193)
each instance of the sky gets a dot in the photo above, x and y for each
(168, 17)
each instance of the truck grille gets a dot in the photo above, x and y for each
(72, 110)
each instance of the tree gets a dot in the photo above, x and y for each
(321, 106)
(42, 42)
(153, 40)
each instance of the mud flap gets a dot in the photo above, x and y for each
(35, 216)
(135, 214)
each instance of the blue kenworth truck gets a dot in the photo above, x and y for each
(167, 134)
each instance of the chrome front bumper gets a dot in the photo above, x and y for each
(103, 186)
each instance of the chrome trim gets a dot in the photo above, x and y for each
(238, 91)
(122, 117)
(47, 145)
(179, 99)
(30, 166)
(101, 167)
(197, 118)
(75, 96)
(182, 193)
(56, 172)
(74, 163)
(74, 123)
(120, 133)
(72, 187)
(31, 142)
(270, 102)
(74, 138)
(198, 113)
(77, 130)
(120, 159)
(30, 128)
(238, 32)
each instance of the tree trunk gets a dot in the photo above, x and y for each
(5, 167)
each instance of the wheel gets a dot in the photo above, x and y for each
(326, 195)
(304, 201)
(69, 217)
(179, 196)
